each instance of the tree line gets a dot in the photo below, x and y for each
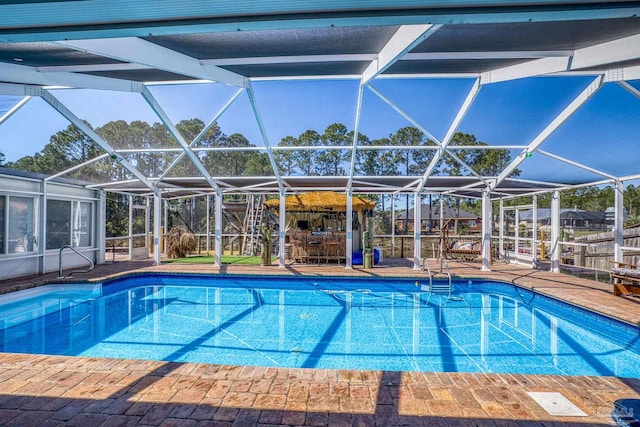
(70, 147)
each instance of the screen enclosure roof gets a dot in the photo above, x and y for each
(124, 46)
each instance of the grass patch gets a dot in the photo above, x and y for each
(226, 259)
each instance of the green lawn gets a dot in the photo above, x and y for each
(226, 259)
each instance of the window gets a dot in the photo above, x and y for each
(58, 223)
(68, 223)
(21, 224)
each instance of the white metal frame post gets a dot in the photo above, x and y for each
(157, 226)
(166, 222)
(349, 226)
(554, 256)
(101, 229)
(42, 229)
(218, 228)
(486, 230)
(147, 219)
(441, 243)
(208, 208)
(130, 232)
(282, 232)
(516, 233)
(618, 224)
(501, 231)
(534, 231)
(393, 226)
(417, 222)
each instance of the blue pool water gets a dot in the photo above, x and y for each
(345, 323)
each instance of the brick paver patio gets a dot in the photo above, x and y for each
(60, 390)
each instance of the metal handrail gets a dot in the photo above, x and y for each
(425, 261)
(60, 276)
(446, 264)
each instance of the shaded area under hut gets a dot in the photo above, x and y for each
(316, 225)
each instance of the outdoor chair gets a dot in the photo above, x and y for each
(626, 278)
(333, 249)
(298, 247)
(314, 248)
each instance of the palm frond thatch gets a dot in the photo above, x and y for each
(180, 241)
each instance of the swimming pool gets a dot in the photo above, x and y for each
(341, 323)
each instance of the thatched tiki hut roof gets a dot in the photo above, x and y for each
(321, 201)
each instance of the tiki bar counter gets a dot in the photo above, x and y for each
(316, 226)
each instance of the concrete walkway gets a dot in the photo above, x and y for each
(58, 390)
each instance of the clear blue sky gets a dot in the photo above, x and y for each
(603, 134)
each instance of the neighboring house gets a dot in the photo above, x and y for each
(459, 220)
(575, 219)
(609, 215)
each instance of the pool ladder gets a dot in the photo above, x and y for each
(437, 288)
(60, 276)
(440, 288)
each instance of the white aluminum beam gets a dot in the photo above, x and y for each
(218, 228)
(632, 90)
(16, 89)
(527, 69)
(81, 165)
(136, 50)
(91, 68)
(554, 256)
(600, 55)
(290, 59)
(157, 225)
(263, 133)
(618, 222)
(282, 226)
(631, 73)
(501, 252)
(576, 164)
(619, 50)
(405, 39)
(405, 115)
(354, 145)
(155, 106)
(14, 109)
(201, 134)
(417, 229)
(349, 230)
(69, 115)
(423, 130)
(22, 74)
(486, 230)
(534, 231)
(500, 54)
(101, 230)
(583, 97)
(471, 96)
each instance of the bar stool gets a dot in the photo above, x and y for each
(298, 252)
(332, 250)
(314, 248)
